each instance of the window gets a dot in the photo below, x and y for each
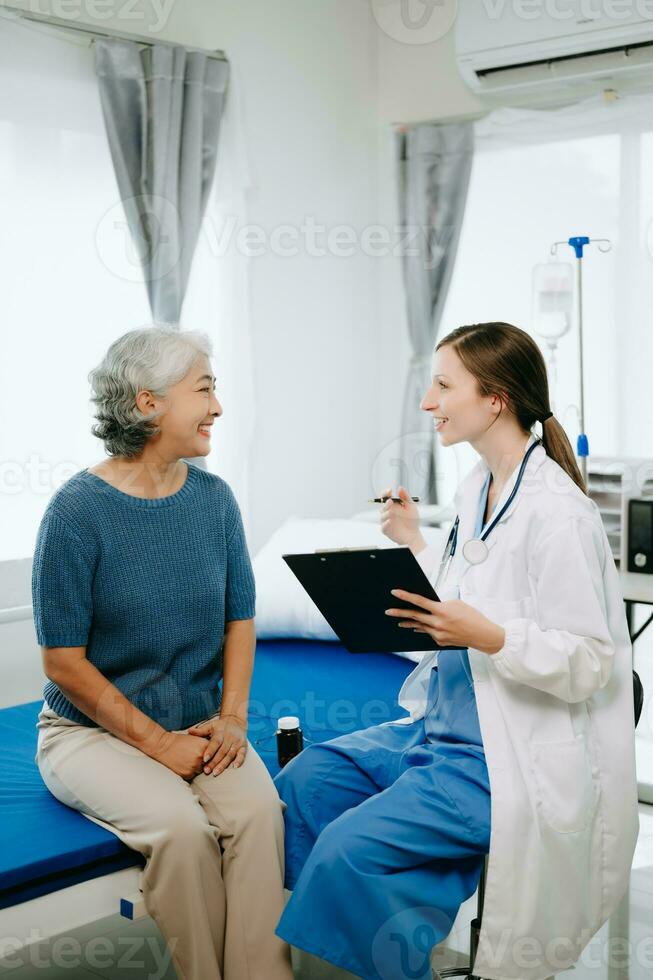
(73, 282)
(63, 300)
(521, 200)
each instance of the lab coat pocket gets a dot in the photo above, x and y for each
(564, 789)
(500, 610)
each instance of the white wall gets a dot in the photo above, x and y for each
(415, 82)
(420, 81)
(331, 406)
(313, 131)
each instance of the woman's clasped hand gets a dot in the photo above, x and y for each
(227, 744)
(210, 747)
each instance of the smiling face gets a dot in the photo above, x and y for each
(191, 407)
(460, 413)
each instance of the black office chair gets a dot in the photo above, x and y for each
(475, 925)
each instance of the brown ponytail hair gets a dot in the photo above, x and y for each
(505, 360)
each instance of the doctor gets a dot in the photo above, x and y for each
(520, 742)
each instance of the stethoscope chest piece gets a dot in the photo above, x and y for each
(475, 551)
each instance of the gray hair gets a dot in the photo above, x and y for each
(153, 358)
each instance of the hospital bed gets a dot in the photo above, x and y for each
(59, 870)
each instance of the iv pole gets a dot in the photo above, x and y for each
(578, 243)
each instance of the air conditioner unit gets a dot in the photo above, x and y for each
(554, 47)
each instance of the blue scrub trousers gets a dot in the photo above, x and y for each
(387, 830)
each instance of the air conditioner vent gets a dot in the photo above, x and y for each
(590, 61)
(543, 56)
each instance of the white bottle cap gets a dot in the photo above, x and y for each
(288, 722)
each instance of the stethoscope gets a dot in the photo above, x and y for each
(475, 551)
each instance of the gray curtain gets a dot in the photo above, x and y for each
(162, 108)
(434, 166)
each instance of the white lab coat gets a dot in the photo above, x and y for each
(555, 708)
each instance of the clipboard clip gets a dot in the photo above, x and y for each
(336, 551)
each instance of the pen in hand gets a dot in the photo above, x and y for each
(395, 500)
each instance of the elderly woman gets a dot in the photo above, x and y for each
(143, 600)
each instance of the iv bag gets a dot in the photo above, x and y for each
(553, 299)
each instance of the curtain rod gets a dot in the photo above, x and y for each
(98, 32)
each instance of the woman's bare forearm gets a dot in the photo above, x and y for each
(238, 664)
(89, 690)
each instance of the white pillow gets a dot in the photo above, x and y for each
(283, 607)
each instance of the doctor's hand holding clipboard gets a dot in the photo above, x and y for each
(451, 622)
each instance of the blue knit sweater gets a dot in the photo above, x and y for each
(147, 587)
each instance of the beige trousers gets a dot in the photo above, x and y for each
(213, 878)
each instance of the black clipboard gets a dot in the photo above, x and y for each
(351, 588)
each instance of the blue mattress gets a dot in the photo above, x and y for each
(46, 846)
